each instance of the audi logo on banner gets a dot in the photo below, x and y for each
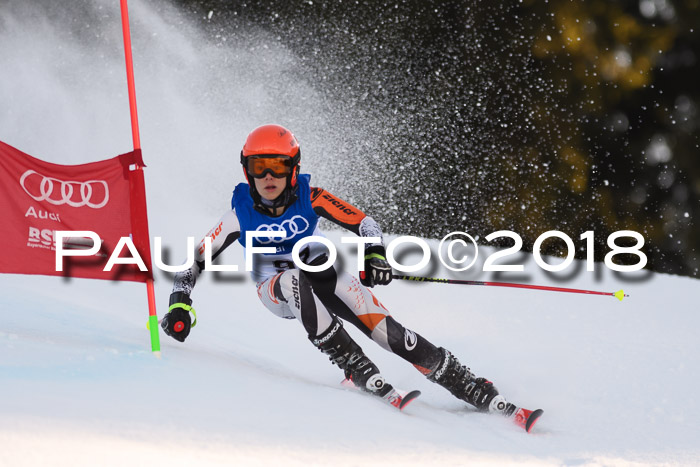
(58, 192)
(294, 226)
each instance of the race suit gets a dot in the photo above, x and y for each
(310, 297)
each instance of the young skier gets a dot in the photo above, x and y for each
(278, 197)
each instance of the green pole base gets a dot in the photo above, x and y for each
(155, 337)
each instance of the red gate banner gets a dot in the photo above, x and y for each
(38, 198)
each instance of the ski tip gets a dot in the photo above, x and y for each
(532, 419)
(408, 398)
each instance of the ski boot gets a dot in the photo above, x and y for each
(462, 383)
(347, 354)
(479, 392)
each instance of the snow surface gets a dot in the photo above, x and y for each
(79, 385)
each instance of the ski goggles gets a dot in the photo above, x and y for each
(277, 166)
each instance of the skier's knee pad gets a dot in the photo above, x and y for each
(411, 346)
(395, 334)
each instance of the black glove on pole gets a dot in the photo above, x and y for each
(177, 322)
(377, 268)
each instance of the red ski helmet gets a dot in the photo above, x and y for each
(271, 149)
(271, 142)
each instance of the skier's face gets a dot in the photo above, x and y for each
(270, 187)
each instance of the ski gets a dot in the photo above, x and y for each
(524, 418)
(396, 397)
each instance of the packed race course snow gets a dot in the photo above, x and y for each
(81, 387)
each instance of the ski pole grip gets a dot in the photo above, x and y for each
(185, 307)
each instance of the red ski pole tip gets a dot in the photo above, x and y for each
(179, 326)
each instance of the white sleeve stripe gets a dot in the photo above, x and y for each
(228, 227)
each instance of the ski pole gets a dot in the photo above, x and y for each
(619, 294)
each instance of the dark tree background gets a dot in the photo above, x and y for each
(523, 115)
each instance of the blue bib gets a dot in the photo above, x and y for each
(299, 220)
